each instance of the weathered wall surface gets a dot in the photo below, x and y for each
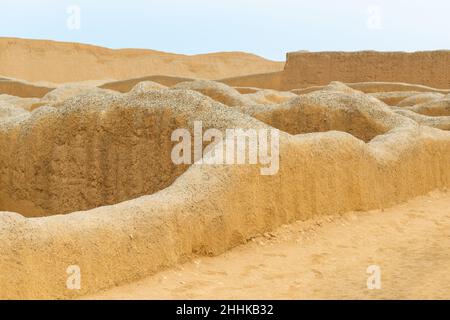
(94, 150)
(208, 209)
(60, 62)
(309, 69)
(305, 69)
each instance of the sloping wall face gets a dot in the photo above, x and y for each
(306, 69)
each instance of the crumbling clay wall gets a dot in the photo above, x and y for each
(208, 209)
(309, 69)
(23, 89)
(93, 150)
(306, 69)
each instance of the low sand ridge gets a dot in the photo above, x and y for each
(59, 62)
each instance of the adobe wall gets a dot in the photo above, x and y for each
(306, 69)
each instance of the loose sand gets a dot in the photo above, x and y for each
(323, 258)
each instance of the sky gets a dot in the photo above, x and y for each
(269, 28)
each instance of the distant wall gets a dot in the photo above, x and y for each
(305, 69)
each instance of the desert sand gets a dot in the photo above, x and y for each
(87, 178)
(322, 258)
(59, 62)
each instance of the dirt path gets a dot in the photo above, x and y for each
(323, 258)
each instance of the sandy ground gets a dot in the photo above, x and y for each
(322, 258)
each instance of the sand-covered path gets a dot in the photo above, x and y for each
(323, 258)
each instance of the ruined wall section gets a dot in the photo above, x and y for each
(306, 69)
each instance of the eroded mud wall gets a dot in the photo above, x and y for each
(305, 69)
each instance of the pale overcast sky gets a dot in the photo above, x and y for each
(266, 27)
